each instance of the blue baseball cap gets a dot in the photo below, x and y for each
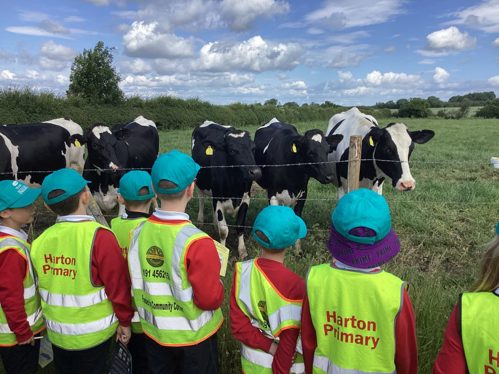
(132, 182)
(176, 167)
(67, 180)
(280, 225)
(16, 194)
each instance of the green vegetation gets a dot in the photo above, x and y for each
(491, 110)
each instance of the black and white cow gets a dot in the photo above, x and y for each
(385, 151)
(215, 147)
(31, 151)
(111, 152)
(305, 155)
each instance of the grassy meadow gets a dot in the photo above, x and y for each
(443, 224)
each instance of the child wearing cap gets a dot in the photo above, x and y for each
(266, 297)
(136, 194)
(175, 272)
(20, 311)
(471, 340)
(357, 317)
(82, 278)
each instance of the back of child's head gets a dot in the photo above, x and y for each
(361, 230)
(277, 228)
(172, 173)
(61, 191)
(489, 271)
(15, 194)
(136, 188)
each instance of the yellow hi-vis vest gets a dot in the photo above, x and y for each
(269, 312)
(479, 331)
(78, 314)
(123, 229)
(31, 297)
(354, 316)
(162, 292)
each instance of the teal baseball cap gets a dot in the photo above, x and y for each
(175, 167)
(16, 194)
(280, 225)
(132, 182)
(67, 180)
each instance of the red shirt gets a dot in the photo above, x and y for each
(406, 350)
(291, 286)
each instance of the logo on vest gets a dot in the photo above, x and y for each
(493, 364)
(154, 257)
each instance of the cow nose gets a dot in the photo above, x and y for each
(255, 173)
(113, 166)
(407, 186)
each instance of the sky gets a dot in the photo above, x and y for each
(349, 52)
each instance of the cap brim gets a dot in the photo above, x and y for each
(363, 256)
(302, 229)
(27, 198)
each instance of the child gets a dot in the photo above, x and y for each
(20, 311)
(266, 297)
(175, 276)
(82, 277)
(471, 341)
(136, 193)
(357, 317)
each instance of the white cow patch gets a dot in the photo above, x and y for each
(273, 120)
(317, 138)
(234, 135)
(267, 146)
(67, 124)
(209, 123)
(106, 201)
(98, 130)
(284, 198)
(73, 155)
(144, 122)
(193, 141)
(402, 140)
(14, 154)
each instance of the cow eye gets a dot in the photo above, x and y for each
(232, 152)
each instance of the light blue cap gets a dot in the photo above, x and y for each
(497, 228)
(176, 167)
(67, 180)
(16, 194)
(280, 225)
(132, 182)
(362, 208)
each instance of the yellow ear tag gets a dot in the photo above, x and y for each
(371, 141)
(293, 148)
(209, 151)
(77, 143)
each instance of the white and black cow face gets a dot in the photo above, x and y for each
(393, 146)
(101, 147)
(240, 150)
(314, 148)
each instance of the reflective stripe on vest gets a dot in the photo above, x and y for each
(323, 363)
(81, 328)
(264, 359)
(479, 331)
(77, 301)
(32, 320)
(176, 323)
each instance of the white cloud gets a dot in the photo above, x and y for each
(496, 42)
(296, 85)
(494, 81)
(426, 61)
(32, 16)
(34, 31)
(344, 56)
(241, 14)
(74, 19)
(32, 74)
(377, 78)
(99, 2)
(355, 13)
(441, 75)
(447, 40)
(53, 27)
(254, 54)
(7, 74)
(136, 66)
(56, 51)
(344, 76)
(359, 91)
(147, 41)
(484, 16)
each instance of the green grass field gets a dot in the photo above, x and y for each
(443, 224)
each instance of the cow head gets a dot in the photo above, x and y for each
(240, 150)
(313, 147)
(101, 143)
(393, 146)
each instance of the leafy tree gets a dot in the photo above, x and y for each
(490, 110)
(402, 102)
(434, 102)
(271, 102)
(415, 107)
(93, 76)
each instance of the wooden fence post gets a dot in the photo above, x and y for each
(354, 157)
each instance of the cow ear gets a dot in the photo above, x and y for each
(422, 136)
(375, 136)
(333, 141)
(77, 140)
(122, 134)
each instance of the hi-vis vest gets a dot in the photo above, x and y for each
(77, 313)
(162, 292)
(354, 316)
(31, 297)
(123, 229)
(269, 312)
(479, 331)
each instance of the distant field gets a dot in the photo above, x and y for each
(443, 224)
(472, 111)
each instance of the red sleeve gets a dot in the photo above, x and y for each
(110, 270)
(406, 348)
(241, 326)
(308, 336)
(203, 272)
(12, 273)
(284, 356)
(451, 357)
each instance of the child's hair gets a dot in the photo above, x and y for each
(489, 272)
(134, 204)
(67, 206)
(169, 185)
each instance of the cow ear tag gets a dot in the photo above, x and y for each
(371, 141)
(77, 143)
(209, 151)
(293, 148)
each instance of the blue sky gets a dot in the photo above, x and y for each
(350, 52)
